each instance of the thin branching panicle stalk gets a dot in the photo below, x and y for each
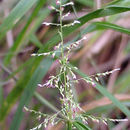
(64, 79)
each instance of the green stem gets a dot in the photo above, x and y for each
(64, 62)
(62, 44)
(61, 30)
(69, 125)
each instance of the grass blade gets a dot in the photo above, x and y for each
(86, 2)
(29, 91)
(35, 41)
(16, 14)
(107, 25)
(80, 126)
(16, 92)
(107, 11)
(1, 95)
(69, 125)
(26, 32)
(45, 102)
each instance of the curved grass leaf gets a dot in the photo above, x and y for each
(1, 95)
(107, 25)
(45, 102)
(20, 68)
(114, 2)
(104, 25)
(80, 126)
(16, 14)
(29, 91)
(77, 126)
(105, 109)
(27, 30)
(120, 2)
(86, 2)
(16, 92)
(35, 41)
(107, 11)
(101, 110)
(122, 84)
(122, 107)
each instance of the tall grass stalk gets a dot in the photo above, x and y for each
(69, 113)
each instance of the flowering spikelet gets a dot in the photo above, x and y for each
(49, 83)
(66, 15)
(35, 112)
(48, 24)
(41, 54)
(57, 2)
(104, 120)
(90, 79)
(104, 74)
(72, 24)
(76, 44)
(53, 8)
(67, 4)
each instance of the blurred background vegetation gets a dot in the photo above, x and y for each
(107, 47)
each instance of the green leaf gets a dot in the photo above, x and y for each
(20, 68)
(101, 110)
(105, 109)
(104, 25)
(104, 92)
(35, 41)
(33, 63)
(114, 2)
(107, 11)
(1, 95)
(86, 2)
(26, 32)
(16, 14)
(69, 125)
(122, 84)
(80, 126)
(107, 25)
(116, 102)
(29, 91)
(120, 2)
(45, 102)
(17, 91)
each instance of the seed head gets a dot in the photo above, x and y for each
(57, 2)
